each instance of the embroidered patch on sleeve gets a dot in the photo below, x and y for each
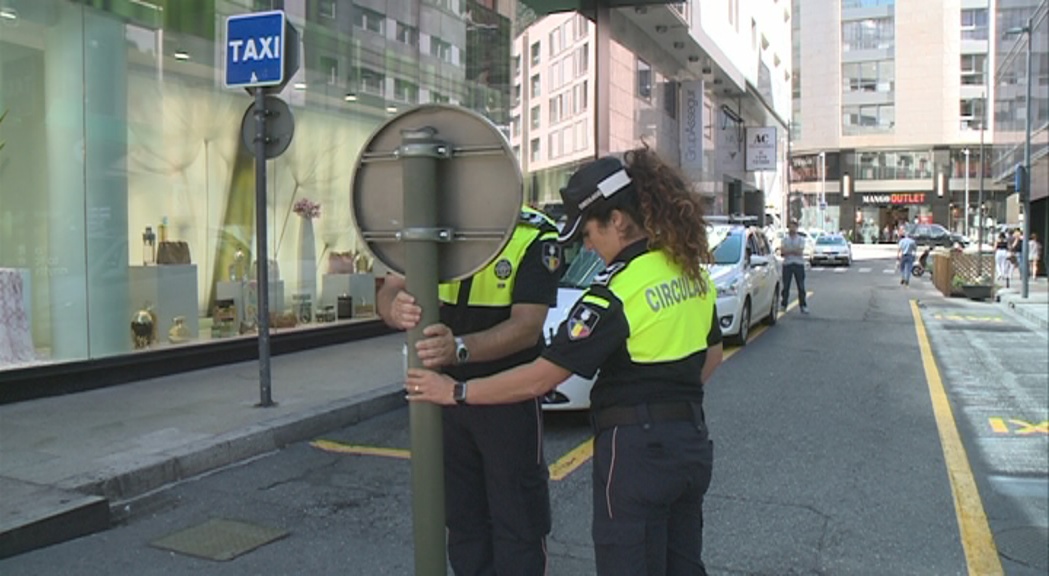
(552, 256)
(582, 322)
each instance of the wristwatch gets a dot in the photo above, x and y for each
(459, 393)
(462, 354)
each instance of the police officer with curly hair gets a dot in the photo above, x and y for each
(496, 495)
(649, 325)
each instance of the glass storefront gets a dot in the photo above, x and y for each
(127, 195)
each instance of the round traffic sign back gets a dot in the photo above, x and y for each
(478, 182)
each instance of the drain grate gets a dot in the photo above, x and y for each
(219, 540)
(1027, 545)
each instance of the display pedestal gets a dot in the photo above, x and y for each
(360, 287)
(171, 290)
(245, 298)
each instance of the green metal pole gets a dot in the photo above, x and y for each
(1025, 266)
(420, 154)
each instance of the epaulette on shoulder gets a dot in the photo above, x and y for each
(536, 219)
(605, 276)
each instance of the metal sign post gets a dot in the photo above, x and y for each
(461, 198)
(258, 59)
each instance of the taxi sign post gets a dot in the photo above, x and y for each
(461, 199)
(258, 59)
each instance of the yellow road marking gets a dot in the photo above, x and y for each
(559, 470)
(340, 448)
(998, 425)
(568, 463)
(981, 554)
(1028, 428)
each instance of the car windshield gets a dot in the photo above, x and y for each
(824, 240)
(727, 246)
(581, 271)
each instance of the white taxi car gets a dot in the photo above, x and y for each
(831, 249)
(747, 277)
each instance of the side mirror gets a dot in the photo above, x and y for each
(758, 261)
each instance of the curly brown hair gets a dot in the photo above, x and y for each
(671, 215)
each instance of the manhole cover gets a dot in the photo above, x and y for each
(1027, 545)
(219, 539)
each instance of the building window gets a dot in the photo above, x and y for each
(868, 118)
(515, 126)
(533, 116)
(405, 91)
(440, 49)
(974, 69)
(517, 95)
(536, 86)
(407, 34)
(670, 98)
(438, 98)
(372, 82)
(868, 34)
(580, 98)
(874, 76)
(326, 8)
(329, 65)
(535, 53)
(582, 60)
(533, 152)
(969, 112)
(517, 65)
(644, 79)
(370, 20)
(846, 4)
(974, 24)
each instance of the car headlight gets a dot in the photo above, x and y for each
(730, 288)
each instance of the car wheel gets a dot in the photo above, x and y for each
(774, 312)
(744, 324)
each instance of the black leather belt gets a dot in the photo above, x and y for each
(642, 414)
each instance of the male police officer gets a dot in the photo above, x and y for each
(496, 495)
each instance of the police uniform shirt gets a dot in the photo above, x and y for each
(525, 272)
(645, 325)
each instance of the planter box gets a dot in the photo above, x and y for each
(978, 291)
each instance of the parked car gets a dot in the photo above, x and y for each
(747, 277)
(831, 249)
(574, 392)
(935, 235)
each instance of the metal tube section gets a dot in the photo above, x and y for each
(979, 205)
(1025, 265)
(420, 173)
(262, 275)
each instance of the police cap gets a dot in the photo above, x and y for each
(593, 182)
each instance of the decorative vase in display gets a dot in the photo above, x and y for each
(178, 333)
(307, 259)
(143, 328)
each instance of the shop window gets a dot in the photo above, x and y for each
(644, 79)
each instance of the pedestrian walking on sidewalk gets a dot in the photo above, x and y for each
(1001, 259)
(905, 252)
(647, 327)
(1034, 253)
(793, 250)
(497, 500)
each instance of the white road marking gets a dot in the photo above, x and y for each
(864, 270)
(840, 270)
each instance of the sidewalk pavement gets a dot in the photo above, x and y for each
(70, 465)
(1034, 308)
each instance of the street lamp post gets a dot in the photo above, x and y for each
(965, 212)
(823, 189)
(1025, 197)
(979, 205)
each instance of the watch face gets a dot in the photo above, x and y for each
(462, 353)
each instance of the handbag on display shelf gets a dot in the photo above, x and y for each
(173, 252)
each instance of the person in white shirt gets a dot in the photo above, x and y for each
(793, 250)
(905, 254)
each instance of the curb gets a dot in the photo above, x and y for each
(125, 481)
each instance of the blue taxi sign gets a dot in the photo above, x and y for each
(255, 49)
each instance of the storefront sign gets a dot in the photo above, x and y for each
(761, 149)
(902, 198)
(692, 129)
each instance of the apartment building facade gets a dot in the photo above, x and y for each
(890, 119)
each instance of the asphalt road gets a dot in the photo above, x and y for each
(832, 456)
